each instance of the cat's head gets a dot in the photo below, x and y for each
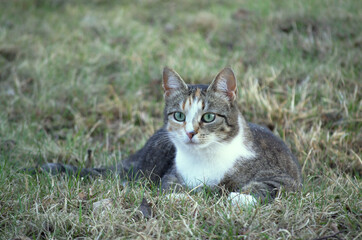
(201, 115)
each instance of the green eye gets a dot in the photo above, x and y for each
(179, 116)
(208, 117)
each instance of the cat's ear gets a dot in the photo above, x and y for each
(225, 83)
(172, 82)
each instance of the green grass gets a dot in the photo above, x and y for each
(79, 75)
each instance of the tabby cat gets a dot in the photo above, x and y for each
(205, 141)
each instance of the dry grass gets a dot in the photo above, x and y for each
(79, 75)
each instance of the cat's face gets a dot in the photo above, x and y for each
(199, 116)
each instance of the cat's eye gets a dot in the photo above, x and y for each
(208, 117)
(179, 116)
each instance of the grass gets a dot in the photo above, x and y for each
(79, 75)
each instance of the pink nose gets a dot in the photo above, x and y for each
(191, 134)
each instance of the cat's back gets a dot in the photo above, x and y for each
(273, 152)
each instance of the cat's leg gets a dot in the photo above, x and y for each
(59, 168)
(266, 189)
(172, 184)
(171, 181)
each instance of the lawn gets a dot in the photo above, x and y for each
(80, 83)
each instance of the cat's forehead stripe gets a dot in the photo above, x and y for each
(189, 103)
(198, 92)
(192, 116)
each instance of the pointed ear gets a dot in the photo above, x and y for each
(172, 82)
(225, 83)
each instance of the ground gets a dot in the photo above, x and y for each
(81, 77)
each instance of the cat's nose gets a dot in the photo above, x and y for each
(191, 134)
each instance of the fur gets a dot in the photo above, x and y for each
(247, 160)
(204, 166)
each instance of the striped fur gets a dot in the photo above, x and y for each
(227, 152)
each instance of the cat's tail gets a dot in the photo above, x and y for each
(125, 169)
(60, 168)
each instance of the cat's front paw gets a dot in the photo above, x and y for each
(240, 199)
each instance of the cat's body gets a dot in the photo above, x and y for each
(225, 152)
(206, 141)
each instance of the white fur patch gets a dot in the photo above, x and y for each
(208, 165)
(192, 112)
(240, 199)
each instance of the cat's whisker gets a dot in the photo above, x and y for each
(216, 144)
(205, 140)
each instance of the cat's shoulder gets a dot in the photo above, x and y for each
(264, 137)
(270, 147)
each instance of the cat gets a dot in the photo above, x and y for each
(205, 141)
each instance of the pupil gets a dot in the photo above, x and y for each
(209, 117)
(179, 116)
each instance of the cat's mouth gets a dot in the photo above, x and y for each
(191, 142)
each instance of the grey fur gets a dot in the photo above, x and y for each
(273, 167)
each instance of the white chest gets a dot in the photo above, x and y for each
(208, 166)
